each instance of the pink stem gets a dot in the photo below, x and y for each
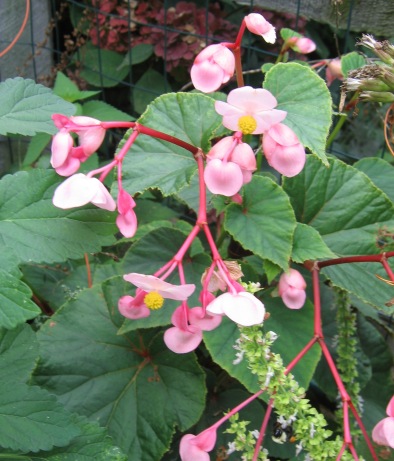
(388, 269)
(363, 430)
(301, 354)
(341, 451)
(316, 302)
(334, 371)
(202, 206)
(355, 259)
(263, 429)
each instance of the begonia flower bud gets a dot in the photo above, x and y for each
(292, 289)
(212, 67)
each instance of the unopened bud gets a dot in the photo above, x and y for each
(384, 50)
(377, 96)
(368, 84)
(387, 76)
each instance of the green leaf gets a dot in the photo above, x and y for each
(119, 380)
(148, 255)
(104, 112)
(286, 33)
(15, 304)
(342, 204)
(92, 445)
(380, 172)
(154, 163)
(26, 107)
(305, 97)
(18, 353)
(31, 419)
(137, 54)
(36, 147)
(265, 222)
(68, 90)
(351, 61)
(308, 244)
(100, 67)
(147, 88)
(290, 325)
(37, 231)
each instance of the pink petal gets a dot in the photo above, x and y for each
(69, 167)
(283, 135)
(102, 198)
(167, 290)
(291, 288)
(288, 161)
(205, 321)
(257, 24)
(183, 341)
(243, 156)
(62, 143)
(383, 432)
(243, 308)
(127, 223)
(305, 45)
(294, 298)
(266, 119)
(190, 451)
(221, 148)
(251, 100)
(128, 309)
(125, 202)
(223, 178)
(291, 278)
(206, 77)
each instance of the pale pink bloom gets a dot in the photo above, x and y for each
(65, 158)
(79, 189)
(199, 317)
(224, 178)
(383, 432)
(283, 150)
(242, 308)
(182, 337)
(333, 70)
(131, 308)
(212, 67)
(292, 289)
(127, 219)
(196, 447)
(257, 24)
(240, 153)
(250, 110)
(302, 45)
(149, 283)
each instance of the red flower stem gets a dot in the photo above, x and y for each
(236, 49)
(388, 269)
(301, 354)
(202, 206)
(346, 426)
(363, 430)
(353, 452)
(236, 409)
(354, 259)
(317, 329)
(186, 244)
(341, 451)
(263, 429)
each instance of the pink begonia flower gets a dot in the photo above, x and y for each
(333, 70)
(383, 432)
(212, 67)
(79, 189)
(250, 110)
(302, 45)
(182, 337)
(127, 219)
(65, 158)
(242, 308)
(150, 283)
(204, 320)
(292, 289)
(196, 447)
(283, 150)
(132, 309)
(257, 24)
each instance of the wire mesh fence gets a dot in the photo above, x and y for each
(132, 51)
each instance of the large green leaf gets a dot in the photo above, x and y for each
(30, 418)
(308, 244)
(380, 172)
(265, 222)
(342, 204)
(305, 97)
(294, 327)
(159, 164)
(26, 107)
(121, 381)
(148, 255)
(15, 304)
(37, 231)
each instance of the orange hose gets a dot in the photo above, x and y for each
(22, 28)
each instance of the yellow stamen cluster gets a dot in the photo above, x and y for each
(153, 300)
(247, 124)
